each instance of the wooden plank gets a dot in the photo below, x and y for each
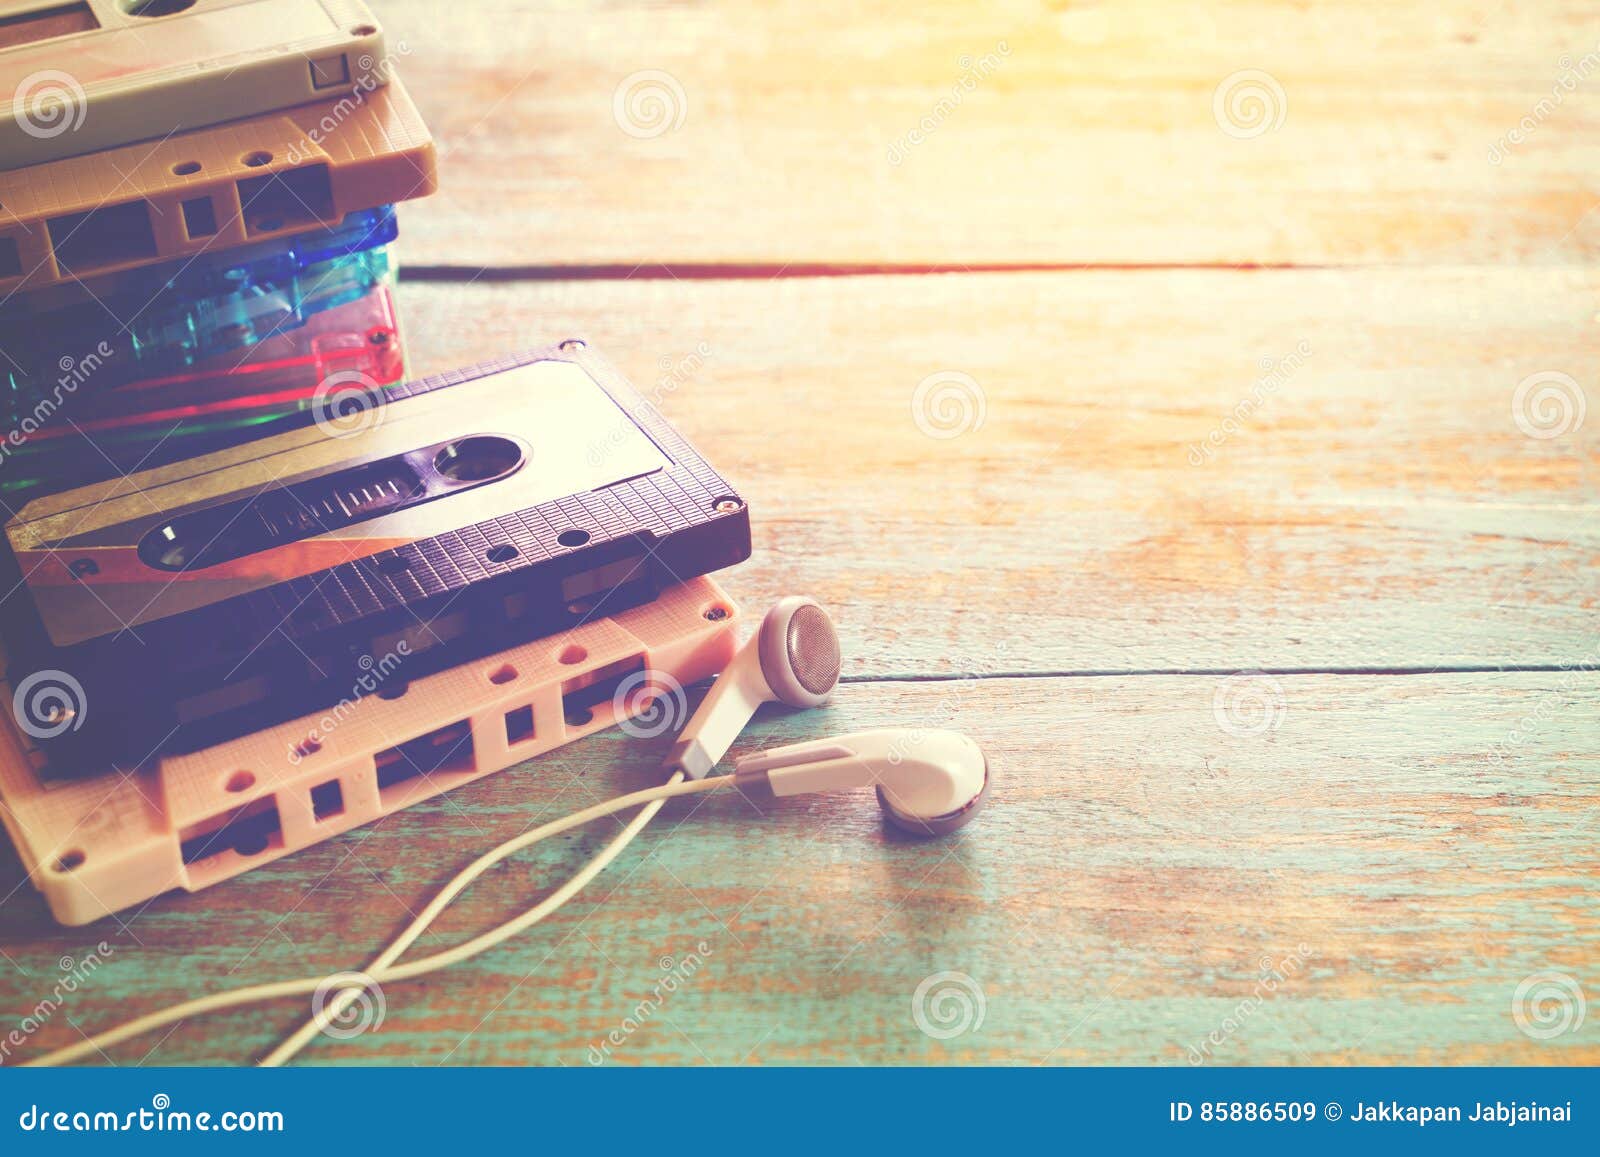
(1404, 851)
(1373, 504)
(1086, 134)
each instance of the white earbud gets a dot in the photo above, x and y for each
(793, 657)
(929, 782)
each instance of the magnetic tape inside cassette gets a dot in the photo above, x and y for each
(448, 515)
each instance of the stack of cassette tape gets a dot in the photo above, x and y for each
(260, 587)
(197, 223)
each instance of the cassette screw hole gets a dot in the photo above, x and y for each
(717, 614)
(579, 717)
(504, 673)
(184, 168)
(726, 505)
(70, 861)
(573, 537)
(240, 781)
(572, 343)
(363, 30)
(502, 553)
(256, 159)
(572, 654)
(307, 746)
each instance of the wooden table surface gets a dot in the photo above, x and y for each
(1185, 400)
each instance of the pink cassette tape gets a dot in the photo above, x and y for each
(99, 844)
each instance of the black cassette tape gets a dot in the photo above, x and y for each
(405, 529)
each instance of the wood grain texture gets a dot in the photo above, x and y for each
(1378, 506)
(1204, 456)
(1404, 850)
(1093, 139)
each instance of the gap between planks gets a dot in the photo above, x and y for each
(1170, 672)
(772, 270)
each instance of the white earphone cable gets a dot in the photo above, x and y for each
(383, 967)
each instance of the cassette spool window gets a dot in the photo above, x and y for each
(267, 519)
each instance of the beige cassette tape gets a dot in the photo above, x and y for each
(96, 845)
(87, 75)
(212, 188)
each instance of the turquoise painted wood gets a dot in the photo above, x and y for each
(1370, 502)
(1403, 851)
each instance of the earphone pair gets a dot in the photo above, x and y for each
(928, 783)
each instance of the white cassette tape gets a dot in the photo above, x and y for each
(86, 75)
